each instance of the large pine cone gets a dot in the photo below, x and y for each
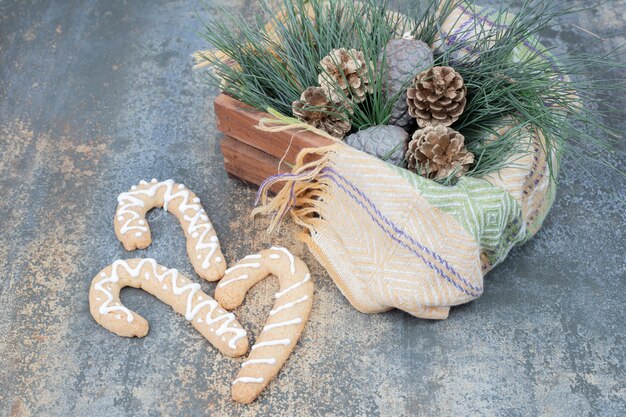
(437, 97)
(437, 152)
(386, 142)
(345, 71)
(317, 110)
(405, 59)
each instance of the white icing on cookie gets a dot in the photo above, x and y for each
(259, 345)
(286, 320)
(248, 380)
(199, 229)
(292, 262)
(224, 283)
(179, 287)
(252, 265)
(288, 305)
(263, 361)
(298, 284)
(297, 320)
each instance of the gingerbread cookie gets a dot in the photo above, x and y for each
(286, 320)
(218, 326)
(133, 231)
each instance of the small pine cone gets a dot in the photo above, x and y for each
(317, 110)
(437, 97)
(345, 70)
(437, 152)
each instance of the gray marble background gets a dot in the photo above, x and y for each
(96, 95)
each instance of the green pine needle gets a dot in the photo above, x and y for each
(275, 70)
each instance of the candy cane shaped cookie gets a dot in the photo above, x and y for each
(218, 326)
(286, 320)
(133, 231)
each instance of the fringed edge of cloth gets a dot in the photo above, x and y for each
(301, 192)
(300, 197)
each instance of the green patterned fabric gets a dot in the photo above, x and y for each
(488, 213)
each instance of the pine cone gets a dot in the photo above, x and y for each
(437, 97)
(386, 142)
(405, 59)
(345, 70)
(317, 110)
(437, 152)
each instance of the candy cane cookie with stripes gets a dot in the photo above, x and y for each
(133, 231)
(218, 326)
(286, 319)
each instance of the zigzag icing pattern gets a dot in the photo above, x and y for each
(215, 324)
(133, 231)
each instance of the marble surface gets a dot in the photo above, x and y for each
(97, 95)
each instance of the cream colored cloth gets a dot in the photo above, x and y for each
(392, 239)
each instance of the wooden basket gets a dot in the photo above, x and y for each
(251, 154)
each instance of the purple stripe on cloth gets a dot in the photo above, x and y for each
(398, 230)
(464, 47)
(411, 249)
(275, 178)
(475, 291)
(330, 173)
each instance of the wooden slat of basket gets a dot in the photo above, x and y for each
(250, 164)
(239, 121)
